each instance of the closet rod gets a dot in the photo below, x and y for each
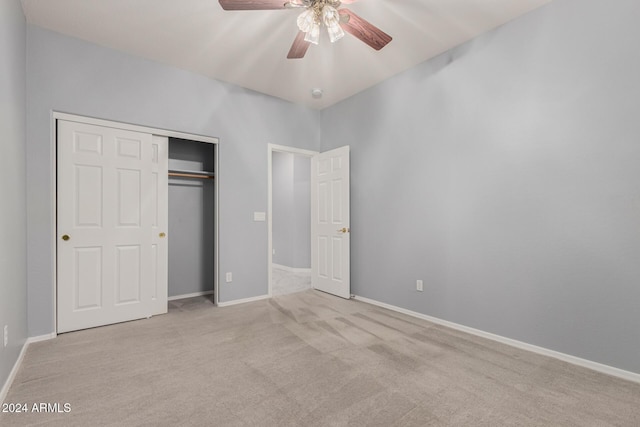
(192, 174)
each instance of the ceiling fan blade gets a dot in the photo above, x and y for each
(299, 47)
(364, 30)
(252, 4)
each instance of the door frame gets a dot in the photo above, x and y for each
(272, 148)
(57, 115)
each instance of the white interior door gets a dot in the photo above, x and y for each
(330, 234)
(112, 221)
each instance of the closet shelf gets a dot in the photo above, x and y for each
(191, 174)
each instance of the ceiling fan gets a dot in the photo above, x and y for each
(318, 14)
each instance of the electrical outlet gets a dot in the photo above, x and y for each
(229, 277)
(5, 333)
(419, 286)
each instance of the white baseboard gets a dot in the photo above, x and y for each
(595, 366)
(12, 374)
(39, 338)
(195, 294)
(16, 366)
(242, 301)
(292, 269)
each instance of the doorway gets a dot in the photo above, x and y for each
(289, 218)
(329, 223)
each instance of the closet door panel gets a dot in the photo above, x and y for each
(112, 218)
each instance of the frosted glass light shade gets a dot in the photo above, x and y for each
(330, 16)
(313, 36)
(306, 20)
(335, 33)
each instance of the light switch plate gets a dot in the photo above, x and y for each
(259, 216)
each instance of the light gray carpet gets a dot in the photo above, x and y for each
(306, 359)
(286, 282)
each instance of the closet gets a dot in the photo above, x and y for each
(135, 220)
(191, 211)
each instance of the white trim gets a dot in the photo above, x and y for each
(195, 294)
(294, 270)
(12, 374)
(269, 219)
(243, 301)
(595, 366)
(16, 366)
(58, 115)
(271, 148)
(39, 338)
(294, 150)
(53, 147)
(216, 225)
(135, 128)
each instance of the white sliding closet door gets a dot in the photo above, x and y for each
(112, 222)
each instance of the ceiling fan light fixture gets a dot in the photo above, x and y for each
(317, 15)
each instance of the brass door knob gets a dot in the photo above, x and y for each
(65, 237)
(162, 235)
(343, 230)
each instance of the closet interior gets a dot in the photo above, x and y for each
(191, 217)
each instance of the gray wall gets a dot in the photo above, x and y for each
(291, 210)
(191, 219)
(13, 227)
(70, 75)
(506, 175)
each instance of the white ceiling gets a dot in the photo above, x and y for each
(249, 48)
